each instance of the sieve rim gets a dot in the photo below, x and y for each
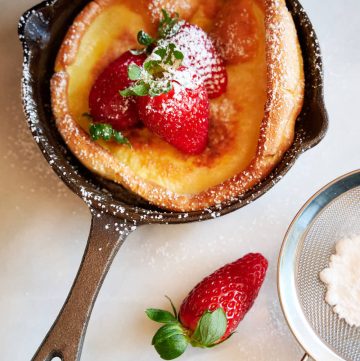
(287, 291)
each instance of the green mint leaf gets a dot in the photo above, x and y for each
(169, 25)
(107, 133)
(178, 55)
(134, 72)
(144, 38)
(161, 52)
(119, 138)
(166, 15)
(172, 347)
(160, 316)
(95, 132)
(167, 331)
(211, 327)
(138, 51)
(173, 54)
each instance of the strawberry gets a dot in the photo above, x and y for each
(180, 116)
(105, 103)
(201, 55)
(212, 310)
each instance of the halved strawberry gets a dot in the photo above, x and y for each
(180, 117)
(105, 103)
(201, 55)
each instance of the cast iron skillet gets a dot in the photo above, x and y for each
(115, 211)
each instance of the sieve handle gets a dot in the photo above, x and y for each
(66, 336)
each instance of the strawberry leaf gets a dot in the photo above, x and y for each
(134, 72)
(167, 331)
(154, 68)
(172, 306)
(172, 347)
(160, 316)
(211, 327)
(158, 88)
(139, 89)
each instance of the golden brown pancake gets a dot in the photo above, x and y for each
(251, 125)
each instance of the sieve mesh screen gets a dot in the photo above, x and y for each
(339, 219)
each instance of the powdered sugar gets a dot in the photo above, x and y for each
(171, 6)
(343, 280)
(201, 55)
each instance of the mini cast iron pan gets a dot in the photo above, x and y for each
(115, 211)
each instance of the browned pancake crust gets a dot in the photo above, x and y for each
(285, 92)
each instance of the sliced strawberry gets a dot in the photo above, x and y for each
(212, 310)
(201, 55)
(105, 102)
(180, 117)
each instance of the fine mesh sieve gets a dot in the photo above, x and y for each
(330, 215)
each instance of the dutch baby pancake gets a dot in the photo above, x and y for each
(240, 103)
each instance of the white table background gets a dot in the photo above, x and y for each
(44, 227)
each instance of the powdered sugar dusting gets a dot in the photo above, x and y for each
(171, 6)
(201, 55)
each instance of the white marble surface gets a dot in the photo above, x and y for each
(44, 226)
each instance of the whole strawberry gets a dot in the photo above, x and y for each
(105, 103)
(212, 310)
(180, 117)
(201, 55)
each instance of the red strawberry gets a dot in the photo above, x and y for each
(201, 55)
(180, 117)
(105, 102)
(212, 310)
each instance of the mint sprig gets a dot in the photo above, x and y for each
(172, 339)
(154, 77)
(144, 38)
(169, 25)
(107, 132)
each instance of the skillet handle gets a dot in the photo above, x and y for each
(66, 336)
(306, 358)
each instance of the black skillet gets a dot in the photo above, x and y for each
(115, 211)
